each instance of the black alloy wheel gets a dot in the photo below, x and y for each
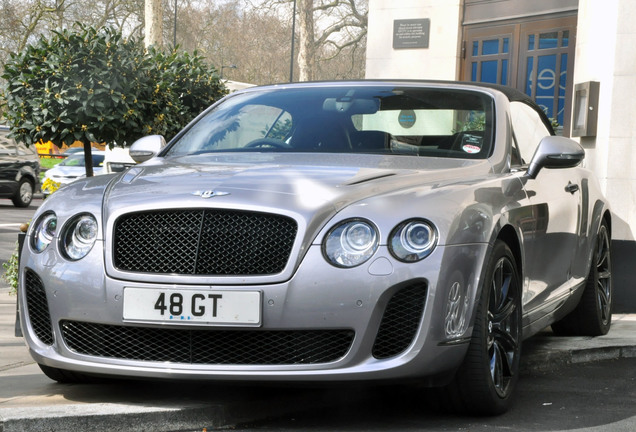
(486, 380)
(593, 315)
(602, 279)
(503, 326)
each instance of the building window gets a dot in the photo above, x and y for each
(491, 58)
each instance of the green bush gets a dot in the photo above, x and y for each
(11, 270)
(93, 85)
(183, 85)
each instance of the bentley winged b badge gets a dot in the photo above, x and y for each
(209, 193)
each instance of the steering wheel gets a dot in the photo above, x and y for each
(268, 142)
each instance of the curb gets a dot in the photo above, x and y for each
(543, 361)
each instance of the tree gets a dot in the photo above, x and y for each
(232, 34)
(306, 37)
(153, 18)
(326, 28)
(255, 35)
(23, 21)
(93, 85)
(183, 85)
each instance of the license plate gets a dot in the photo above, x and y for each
(188, 306)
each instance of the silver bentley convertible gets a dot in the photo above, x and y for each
(373, 230)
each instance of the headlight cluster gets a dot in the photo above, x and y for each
(44, 232)
(413, 240)
(353, 241)
(77, 236)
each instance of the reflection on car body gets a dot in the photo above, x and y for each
(326, 231)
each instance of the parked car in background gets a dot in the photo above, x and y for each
(373, 230)
(73, 168)
(19, 170)
(74, 150)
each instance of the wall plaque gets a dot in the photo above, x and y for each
(411, 33)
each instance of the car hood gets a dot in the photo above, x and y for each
(69, 171)
(297, 183)
(66, 171)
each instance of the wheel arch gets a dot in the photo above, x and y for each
(600, 213)
(509, 236)
(30, 177)
(607, 217)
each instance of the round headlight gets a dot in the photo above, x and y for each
(413, 240)
(350, 243)
(79, 236)
(44, 232)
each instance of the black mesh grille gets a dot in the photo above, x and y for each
(203, 242)
(400, 321)
(227, 347)
(38, 307)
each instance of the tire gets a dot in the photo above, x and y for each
(485, 382)
(24, 194)
(593, 315)
(65, 376)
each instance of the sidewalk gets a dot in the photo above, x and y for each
(30, 401)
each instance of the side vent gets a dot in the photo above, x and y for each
(400, 322)
(38, 307)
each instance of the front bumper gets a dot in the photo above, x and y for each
(382, 320)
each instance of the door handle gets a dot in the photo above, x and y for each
(572, 187)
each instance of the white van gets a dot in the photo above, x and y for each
(117, 159)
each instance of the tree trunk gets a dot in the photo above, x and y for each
(88, 159)
(306, 50)
(153, 20)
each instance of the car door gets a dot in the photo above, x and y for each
(8, 169)
(556, 197)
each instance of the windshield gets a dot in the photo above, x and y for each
(382, 120)
(77, 160)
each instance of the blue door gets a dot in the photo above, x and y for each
(535, 57)
(546, 70)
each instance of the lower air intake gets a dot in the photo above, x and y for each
(223, 347)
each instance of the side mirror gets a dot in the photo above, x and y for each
(555, 152)
(147, 147)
